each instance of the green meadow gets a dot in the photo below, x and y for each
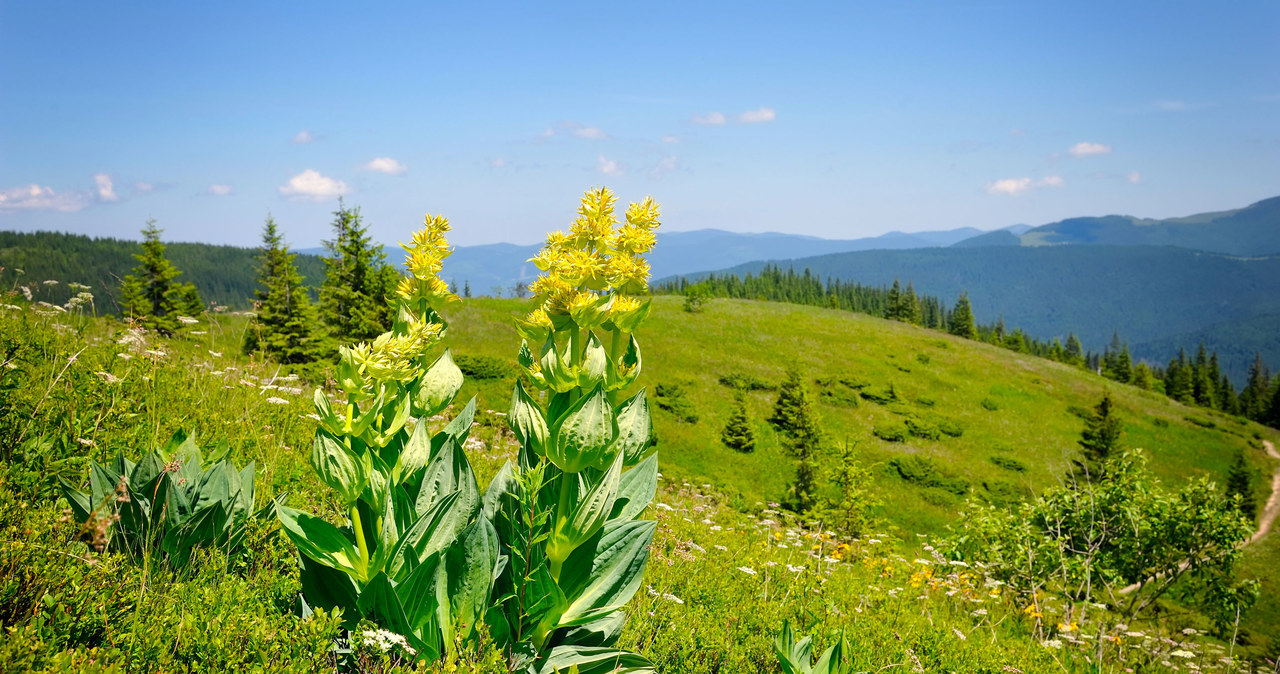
(727, 565)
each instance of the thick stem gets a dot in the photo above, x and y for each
(361, 546)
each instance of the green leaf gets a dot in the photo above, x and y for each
(328, 419)
(338, 467)
(394, 415)
(525, 419)
(244, 500)
(548, 602)
(321, 541)
(470, 564)
(102, 485)
(793, 656)
(503, 487)
(604, 573)
(204, 526)
(424, 596)
(627, 369)
(594, 363)
(78, 500)
(582, 515)
(555, 368)
(636, 489)
(329, 588)
(437, 387)
(832, 660)
(460, 428)
(426, 536)
(634, 427)
(602, 632)
(592, 660)
(149, 468)
(416, 452)
(379, 602)
(581, 438)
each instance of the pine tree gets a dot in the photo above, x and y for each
(802, 438)
(737, 433)
(1142, 376)
(1253, 399)
(910, 312)
(1100, 438)
(893, 311)
(1177, 378)
(962, 323)
(1225, 396)
(150, 295)
(1271, 415)
(1074, 353)
(284, 328)
(358, 284)
(1239, 484)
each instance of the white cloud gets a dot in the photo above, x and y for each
(311, 185)
(220, 190)
(589, 133)
(304, 136)
(1088, 149)
(758, 116)
(106, 191)
(671, 140)
(714, 118)
(1015, 186)
(144, 188)
(36, 198)
(497, 162)
(385, 165)
(610, 167)
(1134, 177)
(665, 165)
(547, 134)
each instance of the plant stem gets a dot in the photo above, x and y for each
(360, 542)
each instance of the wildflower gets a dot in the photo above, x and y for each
(960, 634)
(26, 292)
(86, 442)
(277, 401)
(747, 570)
(51, 282)
(187, 320)
(1182, 654)
(155, 353)
(1052, 643)
(108, 377)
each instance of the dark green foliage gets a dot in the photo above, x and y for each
(1253, 399)
(150, 294)
(1001, 492)
(284, 328)
(849, 514)
(802, 438)
(891, 431)
(1008, 463)
(1240, 486)
(842, 391)
(1100, 438)
(1116, 363)
(791, 410)
(923, 428)
(880, 396)
(1202, 423)
(962, 324)
(671, 398)
(950, 428)
(924, 472)
(989, 404)
(1142, 377)
(737, 433)
(355, 300)
(221, 274)
(483, 367)
(695, 296)
(746, 382)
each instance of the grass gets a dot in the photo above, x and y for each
(63, 606)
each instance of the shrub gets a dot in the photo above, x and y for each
(1009, 464)
(923, 358)
(989, 405)
(891, 431)
(925, 472)
(922, 428)
(745, 382)
(737, 433)
(671, 398)
(1000, 492)
(926, 401)
(950, 428)
(880, 396)
(1202, 423)
(483, 367)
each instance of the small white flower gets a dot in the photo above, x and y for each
(747, 570)
(51, 282)
(86, 442)
(108, 377)
(1052, 643)
(663, 506)
(277, 401)
(1182, 654)
(155, 353)
(721, 548)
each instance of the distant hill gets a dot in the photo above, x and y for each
(1253, 230)
(223, 274)
(1158, 298)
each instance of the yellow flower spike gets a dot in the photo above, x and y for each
(635, 240)
(539, 318)
(407, 288)
(644, 214)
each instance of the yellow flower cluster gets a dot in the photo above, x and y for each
(596, 257)
(424, 258)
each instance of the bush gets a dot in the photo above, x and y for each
(893, 431)
(950, 428)
(1000, 492)
(989, 404)
(671, 398)
(1009, 464)
(745, 382)
(923, 358)
(926, 401)
(482, 367)
(1202, 423)
(922, 428)
(880, 396)
(925, 472)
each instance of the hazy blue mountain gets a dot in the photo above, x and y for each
(1253, 230)
(1157, 297)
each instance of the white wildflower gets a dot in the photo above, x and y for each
(1052, 643)
(277, 401)
(747, 570)
(1182, 654)
(108, 377)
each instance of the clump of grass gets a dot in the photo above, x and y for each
(1010, 464)
(740, 381)
(989, 405)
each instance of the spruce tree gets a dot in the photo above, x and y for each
(893, 311)
(1239, 484)
(358, 283)
(1253, 399)
(1271, 415)
(284, 328)
(910, 312)
(962, 324)
(737, 433)
(1074, 353)
(792, 400)
(150, 295)
(1100, 438)
(802, 438)
(1142, 376)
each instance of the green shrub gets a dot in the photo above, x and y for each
(989, 404)
(922, 358)
(926, 401)
(950, 428)
(923, 429)
(1000, 492)
(880, 396)
(891, 431)
(1009, 464)
(925, 472)
(1202, 423)
(671, 398)
(483, 367)
(746, 382)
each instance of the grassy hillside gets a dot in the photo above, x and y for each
(719, 547)
(1146, 293)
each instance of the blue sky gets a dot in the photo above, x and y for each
(839, 120)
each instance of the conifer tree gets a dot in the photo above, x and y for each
(802, 438)
(1225, 396)
(1239, 484)
(1074, 353)
(1271, 415)
(893, 311)
(962, 324)
(1100, 438)
(1253, 399)
(1177, 378)
(150, 295)
(1142, 376)
(737, 433)
(285, 324)
(1055, 351)
(910, 312)
(358, 284)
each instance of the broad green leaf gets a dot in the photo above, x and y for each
(329, 588)
(624, 373)
(525, 419)
(602, 632)
(448, 471)
(103, 482)
(627, 322)
(328, 419)
(634, 427)
(378, 484)
(636, 489)
(394, 414)
(503, 487)
(582, 437)
(147, 469)
(604, 573)
(426, 536)
(793, 655)
(203, 527)
(416, 452)
(594, 363)
(121, 465)
(548, 603)
(592, 660)
(178, 439)
(437, 387)
(460, 428)
(378, 601)
(190, 461)
(338, 467)
(78, 500)
(244, 500)
(470, 564)
(583, 511)
(424, 596)
(555, 368)
(321, 541)
(832, 660)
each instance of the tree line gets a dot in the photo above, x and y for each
(1194, 381)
